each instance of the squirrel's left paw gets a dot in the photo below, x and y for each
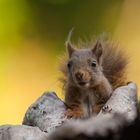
(106, 109)
(73, 114)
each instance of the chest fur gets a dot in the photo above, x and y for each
(88, 101)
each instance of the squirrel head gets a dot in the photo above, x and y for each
(85, 65)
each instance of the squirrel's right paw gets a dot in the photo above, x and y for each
(76, 114)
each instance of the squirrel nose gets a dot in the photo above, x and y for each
(79, 75)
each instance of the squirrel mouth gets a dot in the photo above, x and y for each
(82, 83)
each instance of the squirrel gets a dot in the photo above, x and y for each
(91, 72)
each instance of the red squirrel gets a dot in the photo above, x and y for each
(91, 73)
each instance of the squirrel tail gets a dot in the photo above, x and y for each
(114, 64)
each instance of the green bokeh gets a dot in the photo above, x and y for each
(51, 20)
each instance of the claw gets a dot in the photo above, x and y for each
(106, 109)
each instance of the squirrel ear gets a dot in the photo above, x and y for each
(98, 50)
(70, 49)
(68, 43)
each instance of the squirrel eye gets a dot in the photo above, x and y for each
(69, 65)
(93, 63)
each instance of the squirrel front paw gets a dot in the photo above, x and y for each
(76, 114)
(106, 109)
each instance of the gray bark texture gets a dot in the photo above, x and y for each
(21, 132)
(47, 112)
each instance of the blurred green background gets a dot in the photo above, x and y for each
(32, 36)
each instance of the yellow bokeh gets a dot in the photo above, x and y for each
(25, 75)
(128, 34)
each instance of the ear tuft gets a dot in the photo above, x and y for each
(69, 44)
